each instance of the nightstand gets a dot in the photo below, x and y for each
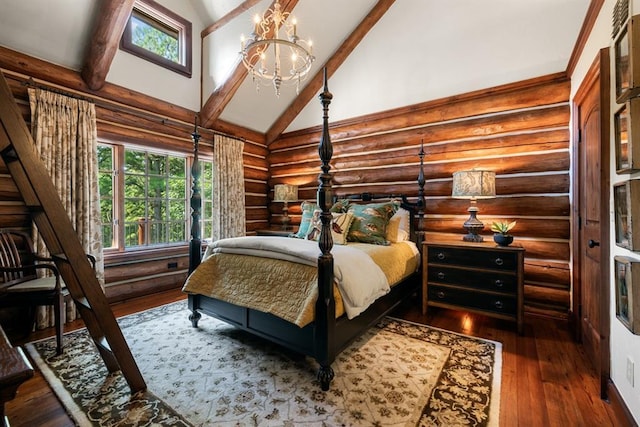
(477, 277)
(281, 233)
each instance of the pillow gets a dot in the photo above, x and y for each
(370, 222)
(340, 206)
(307, 213)
(340, 224)
(305, 220)
(398, 227)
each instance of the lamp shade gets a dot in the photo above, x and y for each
(285, 193)
(474, 184)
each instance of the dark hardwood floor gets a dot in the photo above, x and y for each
(546, 377)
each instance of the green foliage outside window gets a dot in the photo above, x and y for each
(154, 198)
(162, 42)
(206, 192)
(106, 186)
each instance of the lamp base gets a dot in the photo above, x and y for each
(472, 238)
(473, 226)
(285, 217)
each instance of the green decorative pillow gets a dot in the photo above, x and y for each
(341, 206)
(305, 220)
(340, 224)
(370, 222)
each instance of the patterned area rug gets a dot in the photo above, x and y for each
(397, 374)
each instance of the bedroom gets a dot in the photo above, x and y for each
(517, 126)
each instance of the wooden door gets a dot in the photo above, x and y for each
(591, 215)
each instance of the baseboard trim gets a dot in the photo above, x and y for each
(619, 407)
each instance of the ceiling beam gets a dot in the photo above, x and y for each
(223, 94)
(332, 64)
(109, 26)
(243, 7)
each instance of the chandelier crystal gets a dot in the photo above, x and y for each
(272, 59)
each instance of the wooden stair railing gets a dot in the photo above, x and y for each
(41, 198)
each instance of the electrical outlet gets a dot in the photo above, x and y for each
(630, 371)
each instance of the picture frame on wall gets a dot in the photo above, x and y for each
(627, 125)
(627, 285)
(626, 207)
(627, 61)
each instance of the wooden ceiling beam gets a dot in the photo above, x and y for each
(243, 7)
(109, 26)
(332, 64)
(223, 94)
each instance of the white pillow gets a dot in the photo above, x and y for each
(398, 227)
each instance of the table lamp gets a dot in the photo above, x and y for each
(473, 185)
(285, 193)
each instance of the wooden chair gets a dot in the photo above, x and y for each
(20, 285)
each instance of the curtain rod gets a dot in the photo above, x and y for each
(114, 106)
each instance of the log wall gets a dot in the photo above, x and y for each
(520, 131)
(127, 116)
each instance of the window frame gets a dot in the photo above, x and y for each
(160, 17)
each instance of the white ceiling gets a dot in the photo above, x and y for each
(419, 51)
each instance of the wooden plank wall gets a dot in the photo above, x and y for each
(126, 116)
(520, 131)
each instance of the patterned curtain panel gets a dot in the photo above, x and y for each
(65, 134)
(229, 219)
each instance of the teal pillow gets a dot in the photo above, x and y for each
(370, 222)
(305, 220)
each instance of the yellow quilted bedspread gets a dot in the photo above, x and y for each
(284, 288)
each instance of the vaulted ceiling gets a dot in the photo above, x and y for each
(379, 54)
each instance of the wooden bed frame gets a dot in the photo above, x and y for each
(326, 336)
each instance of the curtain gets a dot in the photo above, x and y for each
(228, 188)
(65, 135)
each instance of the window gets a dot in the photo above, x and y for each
(106, 175)
(145, 197)
(159, 36)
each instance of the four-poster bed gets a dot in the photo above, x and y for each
(328, 331)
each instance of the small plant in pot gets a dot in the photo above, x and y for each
(501, 232)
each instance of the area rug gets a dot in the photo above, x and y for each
(398, 373)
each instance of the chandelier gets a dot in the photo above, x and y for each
(274, 60)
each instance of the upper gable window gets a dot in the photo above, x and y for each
(158, 35)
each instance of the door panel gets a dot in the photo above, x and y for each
(591, 289)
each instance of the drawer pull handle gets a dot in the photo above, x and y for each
(499, 305)
(499, 261)
(440, 256)
(440, 294)
(499, 283)
(440, 275)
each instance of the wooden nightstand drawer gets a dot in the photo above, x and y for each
(483, 280)
(498, 259)
(492, 303)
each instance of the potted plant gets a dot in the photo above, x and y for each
(501, 230)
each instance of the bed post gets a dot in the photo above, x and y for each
(195, 245)
(417, 208)
(325, 320)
